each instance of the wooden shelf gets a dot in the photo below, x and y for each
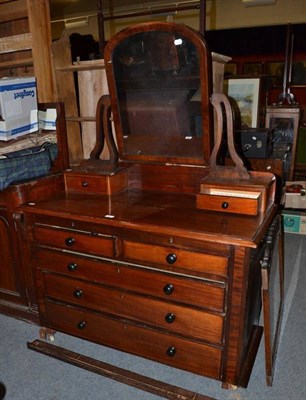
(79, 67)
(80, 119)
(27, 62)
(14, 43)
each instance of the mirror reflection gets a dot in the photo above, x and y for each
(157, 75)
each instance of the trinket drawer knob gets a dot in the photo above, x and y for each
(225, 205)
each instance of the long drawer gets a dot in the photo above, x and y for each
(170, 287)
(168, 349)
(75, 241)
(186, 321)
(178, 258)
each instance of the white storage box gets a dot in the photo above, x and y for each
(296, 199)
(18, 107)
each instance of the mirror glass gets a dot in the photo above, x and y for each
(158, 96)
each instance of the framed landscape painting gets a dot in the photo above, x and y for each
(244, 95)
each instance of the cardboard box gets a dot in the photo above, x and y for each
(18, 107)
(47, 119)
(296, 200)
(294, 222)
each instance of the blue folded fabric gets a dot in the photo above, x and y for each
(26, 164)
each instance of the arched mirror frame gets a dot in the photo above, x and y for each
(205, 70)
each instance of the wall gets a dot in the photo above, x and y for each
(221, 14)
(233, 14)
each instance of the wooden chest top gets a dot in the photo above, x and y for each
(156, 212)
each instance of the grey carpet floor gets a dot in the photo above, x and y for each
(28, 375)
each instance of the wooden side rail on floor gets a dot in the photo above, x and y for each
(127, 377)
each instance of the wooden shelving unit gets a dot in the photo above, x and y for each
(80, 100)
(25, 44)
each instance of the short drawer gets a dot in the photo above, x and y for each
(180, 258)
(75, 241)
(149, 343)
(186, 321)
(170, 287)
(95, 184)
(230, 204)
(86, 183)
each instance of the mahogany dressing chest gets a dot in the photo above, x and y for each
(136, 253)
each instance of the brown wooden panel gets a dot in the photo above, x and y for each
(23, 63)
(170, 179)
(35, 190)
(40, 27)
(206, 263)
(75, 241)
(238, 325)
(187, 321)
(12, 10)
(197, 292)
(273, 165)
(12, 294)
(15, 63)
(16, 43)
(192, 356)
(7, 276)
(66, 93)
(92, 85)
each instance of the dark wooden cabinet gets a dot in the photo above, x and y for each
(11, 283)
(17, 296)
(17, 293)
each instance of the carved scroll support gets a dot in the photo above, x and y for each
(222, 106)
